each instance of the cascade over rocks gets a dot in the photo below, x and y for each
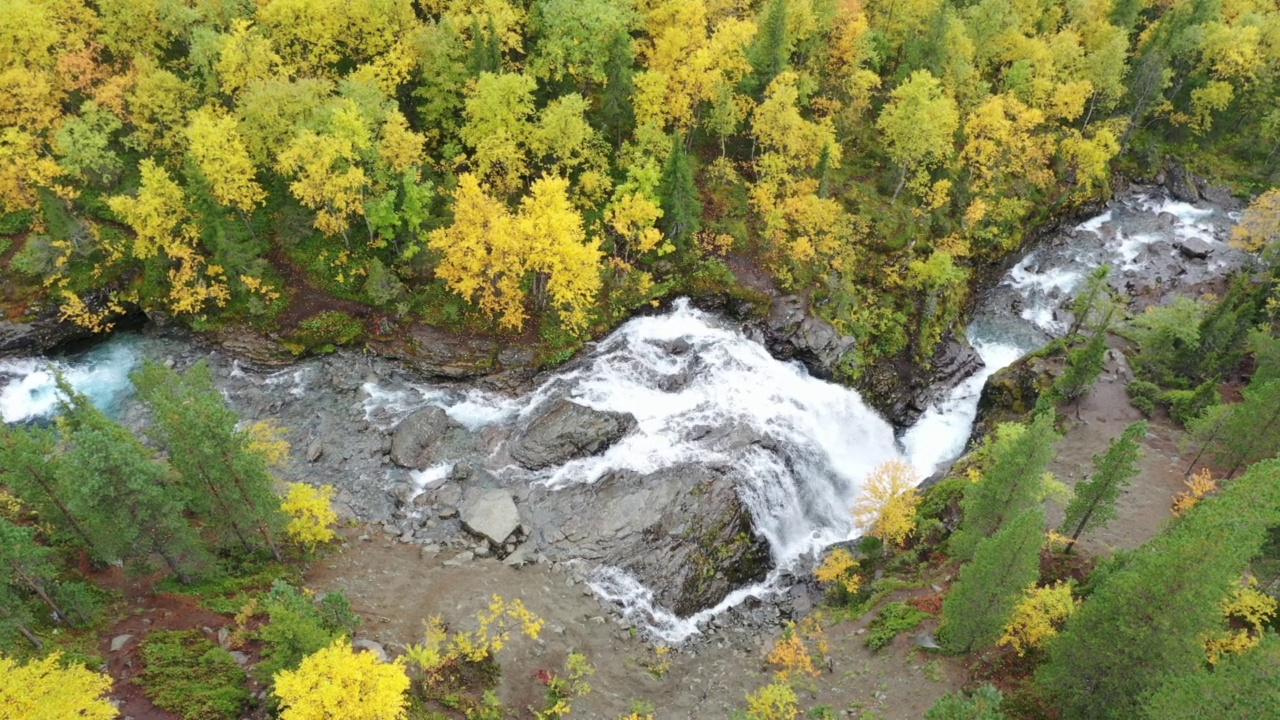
(568, 431)
(430, 436)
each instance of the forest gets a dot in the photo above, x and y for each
(542, 170)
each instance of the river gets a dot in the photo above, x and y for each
(684, 376)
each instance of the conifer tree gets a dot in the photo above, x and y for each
(617, 117)
(1094, 503)
(988, 588)
(678, 196)
(771, 50)
(31, 469)
(1084, 365)
(224, 480)
(1240, 687)
(27, 565)
(128, 504)
(1145, 625)
(1012, 482)
(1094, 298)
(1240, 433)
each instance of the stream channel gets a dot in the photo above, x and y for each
(674, 432)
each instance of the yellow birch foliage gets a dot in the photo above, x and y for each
(488, 252)
(1246, 605)
(887, 506)
(775, 701)
(311, 516)
(215, 144)
(327, 178)
(1037, 617)
(1200, 484)
(839, 566)
(45, 690)
(1259, 226)
(494, 627)
(24, 168)
(337, 682)
(266, 438)
(792, 656)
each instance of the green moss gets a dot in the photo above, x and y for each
(186, 674)
(894, 618)
(326, 331)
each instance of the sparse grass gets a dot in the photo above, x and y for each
(894, 618)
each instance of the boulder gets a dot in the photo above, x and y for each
(683, 531)
(1181, 184)
(1194, 248)
(429, 436)
(791, 332)
(16, 337)
(372, 646)
(491, 514)
(118, 642)
(567, 431)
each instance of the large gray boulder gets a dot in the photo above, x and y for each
(1194, 248)
(567, 431)
(430, 436)
(1181, 184)
(491, 514)
(683, 531)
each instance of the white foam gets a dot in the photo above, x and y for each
(939, 436)
(427, 478)
(28, 389)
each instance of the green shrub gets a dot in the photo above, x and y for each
(15, 223)
(325, 331)
(298, 626)
(1187, 405)
(894, 618)
(983, 704)
(184, 673)
(1143, 396)
(35, 258)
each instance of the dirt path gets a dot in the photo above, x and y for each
(396, 590)
(306, 300)
(1145, 505)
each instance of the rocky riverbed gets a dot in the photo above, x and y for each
(686, 467)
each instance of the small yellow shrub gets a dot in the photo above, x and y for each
(775, 701)
(1200, 484)
(311, 517)
(839, 566)
(1038, 616)
(45, 690)
(337, 682)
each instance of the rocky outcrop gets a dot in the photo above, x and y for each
(1180, 183)
(430, 436)
(791, 332)
(1012, 392)
(441, 355)
(901, 389)
(1194, 248)
(683, 531)
(48, 333)
(567, 431)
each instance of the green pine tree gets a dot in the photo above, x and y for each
(983, 704)
(27, 566)
(1084, 365)
(1240, 687)
(126, 499)
(1146, 622)
(1094, 503)
(770, 53)
(988, 588)
(1093, 299)
(1241, 433)
(224, 480)
(30, 467)
(1012, 482)
(616, 115)
(678, 196)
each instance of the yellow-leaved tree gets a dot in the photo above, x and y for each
(46, 690)
(311, 516)
(338, 682)
(887, 507)
(1037, 617)
(488, 252)
(215, 144)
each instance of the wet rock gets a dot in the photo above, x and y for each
(1194, 248)
(682, 531)
(16, 337)
(429, 436)
(1180, 183)
(791, 332)
(567, 431)
(491, 514)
